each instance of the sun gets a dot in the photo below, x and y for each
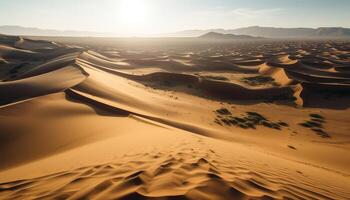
(133, 11)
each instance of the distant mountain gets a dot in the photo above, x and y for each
(336, 32)
(194, 33)
(255, 31)
(271, 32)
(220, 36)
(28, 31)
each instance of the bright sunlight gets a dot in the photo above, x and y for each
(134, 11)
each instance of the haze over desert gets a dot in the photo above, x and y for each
(227, 113)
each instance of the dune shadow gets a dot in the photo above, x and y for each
(98, 107)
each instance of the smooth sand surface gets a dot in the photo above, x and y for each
(174, 119)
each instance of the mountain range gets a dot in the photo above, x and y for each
(272, 32)
(254, 31)
(31, 31)
(221, 36)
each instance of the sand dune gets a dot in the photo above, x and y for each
(174, 119)
(280, 75)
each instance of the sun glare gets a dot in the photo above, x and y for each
(133, 11)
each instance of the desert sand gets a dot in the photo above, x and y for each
(88, 118)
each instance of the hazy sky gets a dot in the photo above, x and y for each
(138, 17)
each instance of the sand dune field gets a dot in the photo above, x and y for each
(89, 118)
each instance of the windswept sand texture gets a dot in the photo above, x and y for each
(85, 118)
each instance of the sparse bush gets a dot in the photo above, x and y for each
(306, 124)
(223, 111)
(220, 78)
(321, 132)
(240, 120)
(259, 80)
(283, 124)
(251, 120)
(317, 116)
(318, 120)
(243, 126)
(316, 125)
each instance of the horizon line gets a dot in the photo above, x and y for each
(164, 33)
